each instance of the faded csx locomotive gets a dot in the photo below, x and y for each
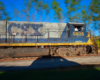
(25, 39)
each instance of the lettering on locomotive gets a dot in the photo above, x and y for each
(78, 33)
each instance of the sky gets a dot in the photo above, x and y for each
(19, 5)
(12, 4)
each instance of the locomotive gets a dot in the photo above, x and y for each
(30, 39)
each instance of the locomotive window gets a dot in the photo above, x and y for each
(78, 28)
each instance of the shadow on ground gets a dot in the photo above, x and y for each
(49, 69)
(42, 63)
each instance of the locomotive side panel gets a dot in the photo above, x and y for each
(40, 32)
(3, 31)
(34, 31)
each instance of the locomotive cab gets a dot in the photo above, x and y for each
(77, 30)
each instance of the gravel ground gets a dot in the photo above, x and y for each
(42, 63)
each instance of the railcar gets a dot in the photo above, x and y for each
(29, 39)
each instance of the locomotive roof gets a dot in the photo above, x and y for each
(75, 23)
